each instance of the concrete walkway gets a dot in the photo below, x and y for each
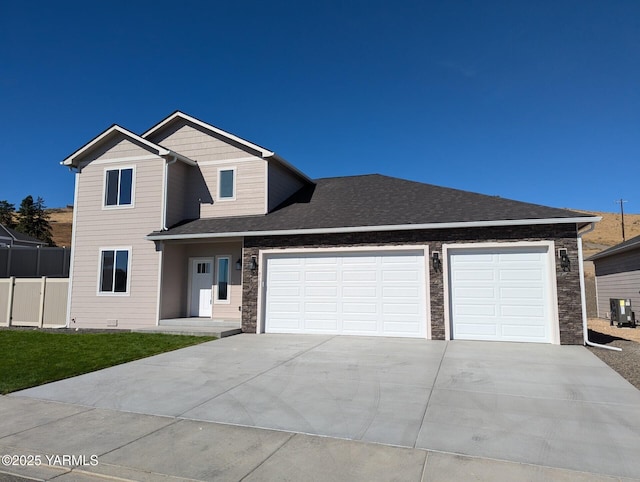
(336, 408)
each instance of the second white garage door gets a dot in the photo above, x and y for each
(500, 294)
(371, 294)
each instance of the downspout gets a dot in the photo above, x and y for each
(166, 190)
(585, 329)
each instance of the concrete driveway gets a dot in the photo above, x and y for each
(544, 405)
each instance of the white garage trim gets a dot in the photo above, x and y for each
(552, 292)
(263, 255)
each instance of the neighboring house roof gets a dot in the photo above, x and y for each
(630, 244)
(72, 160)
(376, 202)
(264, 153)
(17, 236)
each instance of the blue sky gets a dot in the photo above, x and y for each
(535, 101)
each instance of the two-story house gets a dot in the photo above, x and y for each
(187, 220)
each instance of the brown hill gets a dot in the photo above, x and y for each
(608, 232)
(61, 220)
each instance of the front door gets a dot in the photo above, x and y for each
(201, 287)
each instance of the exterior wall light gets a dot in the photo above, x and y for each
(254, 263)
(238, 264)
(436, 261)
(565, 262)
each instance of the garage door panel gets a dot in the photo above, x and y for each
(468, 331)
(505, 299)
(284, 276)
(355, 307)
(359, 276)
(287, 323)
(285, 291)
(523, 331)
(400, 275)
(400, 309)
(358, 294)
(327, 291)
(320, 276)
(285, 307)
(482, 293)
(530, 293)
(474, 275)
(477, 310)
(410, 291)
(320, 324)
(515, 274)
(320, 307)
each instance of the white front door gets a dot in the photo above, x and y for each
(201, 287)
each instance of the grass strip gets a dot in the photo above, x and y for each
(29, 358)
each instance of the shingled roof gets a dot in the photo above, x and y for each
(6, 232)
(341, 203)
(629, 244)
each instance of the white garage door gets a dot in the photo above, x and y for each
(500, 294)
(371, 294)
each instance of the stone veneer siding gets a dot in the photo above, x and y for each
(564, 236)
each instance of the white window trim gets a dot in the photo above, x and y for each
(129, 249)
(216, 300)
(235, 182)
(133, 188)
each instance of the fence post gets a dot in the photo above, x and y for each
(43, 287)
(12, 282)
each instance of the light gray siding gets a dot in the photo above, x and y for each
(213, 153)
(98, 228)
(250, 189)
(183, 192)
(198, 144)
(281, 185)
(618, 263)
(618, 285)
(174, 282)
(117, 147)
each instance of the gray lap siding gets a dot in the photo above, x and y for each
(563, 235)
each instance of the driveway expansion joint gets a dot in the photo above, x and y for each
(299, 354)
(433, 387)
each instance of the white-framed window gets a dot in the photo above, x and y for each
(223, 275)
(114, 271)
(227, 184)
(119, 187)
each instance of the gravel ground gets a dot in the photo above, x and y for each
(625, 362)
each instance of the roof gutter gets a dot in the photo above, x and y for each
(585, 328)
(365, 229)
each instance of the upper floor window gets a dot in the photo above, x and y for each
(118, 189)
(227, 184)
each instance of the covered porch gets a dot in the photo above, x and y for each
(201, 285)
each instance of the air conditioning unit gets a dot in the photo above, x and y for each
(621, 312)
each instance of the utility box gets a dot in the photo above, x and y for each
(621, 312)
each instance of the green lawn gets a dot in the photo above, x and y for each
(31, 358)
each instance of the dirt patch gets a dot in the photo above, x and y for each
(602, 326)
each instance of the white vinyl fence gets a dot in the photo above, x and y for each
(39, 302)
